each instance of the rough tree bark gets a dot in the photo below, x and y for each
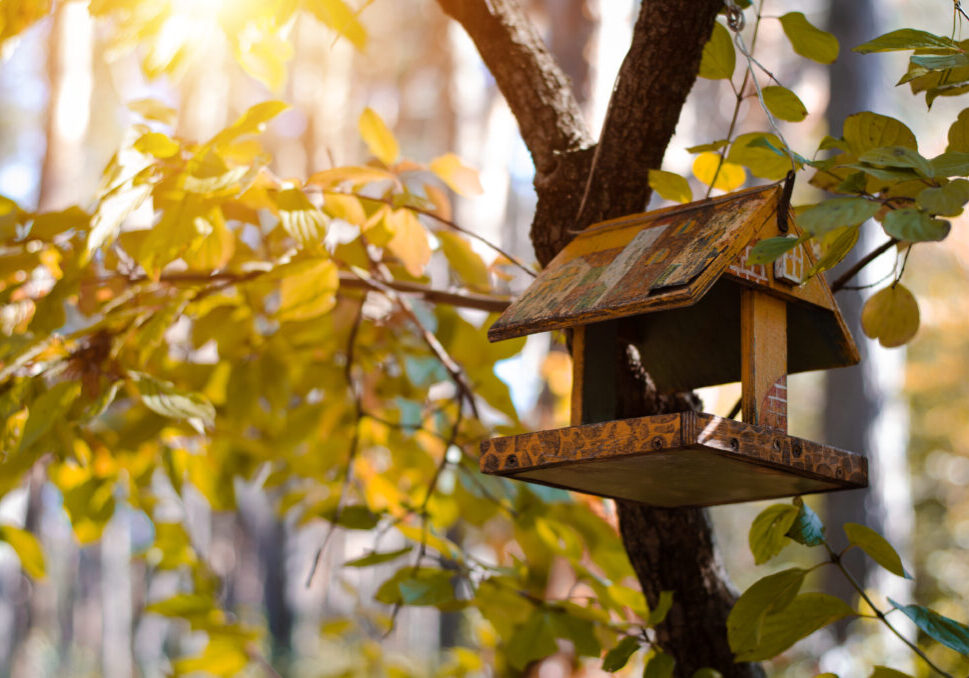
(578, 183)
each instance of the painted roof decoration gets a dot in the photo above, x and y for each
(671, 258)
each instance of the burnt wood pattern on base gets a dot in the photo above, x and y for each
(682, 459)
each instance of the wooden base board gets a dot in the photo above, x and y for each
(682, 459)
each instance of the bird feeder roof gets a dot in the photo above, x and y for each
(670, 259)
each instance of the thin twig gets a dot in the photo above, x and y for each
(739, 93)
(482, 302)
(836, 559)
(453, 369)
(257, 657)
(354, 442)
(861, 263)
(446, 222)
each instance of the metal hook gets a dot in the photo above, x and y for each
(735, 16)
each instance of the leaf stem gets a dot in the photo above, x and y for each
(836, 559)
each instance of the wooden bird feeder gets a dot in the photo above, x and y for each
(675, 283)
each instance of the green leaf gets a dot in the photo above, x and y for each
(865, 131)
(959, 133)
(50, 224)
(856, 182)
(706, 672)
(940, 62)
(660, 665)
(807, 528)
(837, 244)
(914, 225)
(877, 548)
(767, 533)
(49, 408)
(27, 548)
(947, 200)
(533, 640)
(835, 213)
(809, 41)
(663, 605)
(712, 146)
(906, 38)
(377, 558)
(670, 186)
(766, 596)
(951, 163)
(769, 249)
(464, 261)
(580, 632)
(949, 632)
(428, 587)
(784, 103)
(357, 517)
(719, 56)
(806, 614)
(886, 672)
(618, 657)
(898, 156)
(749, 151)
(162, 397)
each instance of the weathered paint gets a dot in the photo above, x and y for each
(682, 459)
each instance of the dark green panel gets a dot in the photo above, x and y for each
(599, 382)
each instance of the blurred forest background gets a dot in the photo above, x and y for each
(63, 94)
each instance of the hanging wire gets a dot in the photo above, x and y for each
(736, 23)
(957, 6)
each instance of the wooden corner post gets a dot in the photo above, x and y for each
(763, 355)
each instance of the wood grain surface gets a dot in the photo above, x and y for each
(682, 459)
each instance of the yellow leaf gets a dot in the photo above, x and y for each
(346, 207)
(221, 657)
(465, 261)
(27, 548)
(354, 176)
(378, 137)
(216, 247)
(670, 186)
(891, 316)
(156, 144)
(459, 177)
(730, 177)
(442, 206)
(153, 109)
(409, 243)
(299, 217)
(379, 229)
(308, 289)
(341, 18)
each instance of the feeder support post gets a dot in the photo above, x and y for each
(763, 355)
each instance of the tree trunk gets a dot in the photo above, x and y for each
(579, 183)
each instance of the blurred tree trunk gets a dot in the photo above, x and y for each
(858, 397)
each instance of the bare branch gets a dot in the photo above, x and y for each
(536, 89)
(481, 302)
